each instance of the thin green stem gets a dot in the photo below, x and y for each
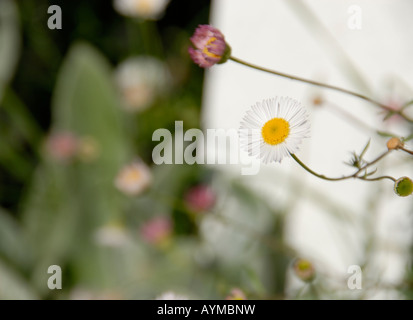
(321, 176)
(406, 105)
(323, 85)
(379, 178)
(354, 175)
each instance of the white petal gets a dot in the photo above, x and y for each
(250, 130)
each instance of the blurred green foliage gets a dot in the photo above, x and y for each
(51, 211)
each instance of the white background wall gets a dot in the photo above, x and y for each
(273, 34)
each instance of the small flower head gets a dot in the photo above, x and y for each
(200, 198)
(318, 101)
(403, 187)
(62, 146)
(236, 294)
(210, 47)
(88, 149)
(157, 230)
(304, 270)
(274, 128)
(394, 144)
(133, 178)
(144, 9)
(140, 81)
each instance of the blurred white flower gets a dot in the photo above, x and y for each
(170, 295)
(145, 9)
(134, 178)
(140, 80)
(111, 236)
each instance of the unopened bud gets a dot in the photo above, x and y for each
(394, 144)
(403, 187)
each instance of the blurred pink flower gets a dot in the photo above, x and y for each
(210, 47)
(156, 230)
(62, 146)
(200, 198)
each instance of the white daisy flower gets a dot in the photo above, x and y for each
(145, 9)
(134, 178)
(274, 128)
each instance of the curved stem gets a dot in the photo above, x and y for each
(379, 178)
(406, 105)
(354, 175)
(321, 176)
(323, 85)
(406, 150)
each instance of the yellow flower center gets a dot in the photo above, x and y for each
(275, 131)
(132, 175)
(304, 265)
(144, 7)
(210, 54)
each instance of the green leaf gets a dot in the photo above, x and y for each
(9, 42)
(67, 202)
(365, 150)
(389, 115)
(85, 103)
(13, 286)
(385, 134)
(13, 245)
(410, 137)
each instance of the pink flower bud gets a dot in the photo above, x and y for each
(61, 146)
(200, 198)
(157, 230)
(210, 47)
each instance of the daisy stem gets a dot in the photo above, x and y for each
(354, 175)
(379, 178)
(406, 150)
(323, 85)
(321, 176)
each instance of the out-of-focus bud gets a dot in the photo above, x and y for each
(157, 231)
(304, 270)
(134, 178)
(403, 187)
(236, 294)
(200, 198)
